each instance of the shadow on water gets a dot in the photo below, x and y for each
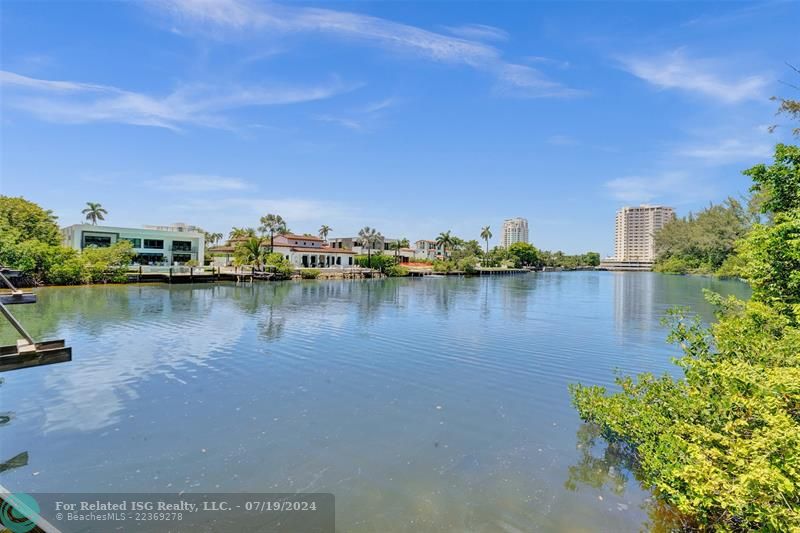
(19, 460)
(611, 465)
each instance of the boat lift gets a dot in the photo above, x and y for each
(27, 352)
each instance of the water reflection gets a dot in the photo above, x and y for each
(423, 404)
(634, 301)
(609, 469)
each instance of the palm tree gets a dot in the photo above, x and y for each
(444, 240)
(323, 232)
(369, 237)
(238, 233)
(250, 251)
(272, 224)
(212, 238)
(94, 212)
(397, 245)
(486, 234)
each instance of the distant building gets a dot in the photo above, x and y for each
(152, 247)
(514, 230)
(635, 231)
(179, 227)
(381, 244)
(428, 250)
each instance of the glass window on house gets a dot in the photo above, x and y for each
(156, 244)
(99, 241)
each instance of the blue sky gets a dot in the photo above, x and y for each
(412, 117)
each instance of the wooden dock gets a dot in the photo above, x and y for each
(197, 274)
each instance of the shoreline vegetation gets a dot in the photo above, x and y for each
(719, 447)
(30, 241)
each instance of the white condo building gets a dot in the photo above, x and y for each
(514, 230)
(635, 232)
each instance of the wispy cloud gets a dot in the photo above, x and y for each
(198, 183)
(241, 16)
(674, 186)
(478, 32)
(562, 140)
(727, 151)
(547, 61)
(78, 102)
(675, 70)
(527, 82)
(361, 118)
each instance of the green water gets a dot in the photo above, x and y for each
(422, 404)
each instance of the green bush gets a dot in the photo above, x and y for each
(281, 265)
(61, 265)
(443, 266)
(377, 261)
(721, 445)
(674, 265)
(468, 265)
(309, 273)
(109, 264)
(25, 220)
(770, 260)
(396, 271)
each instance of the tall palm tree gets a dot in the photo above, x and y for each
(486, 234)
(444, 240)
(323, 232)
(238, 233)
(369, 237)
(94, 212)
(272, 224)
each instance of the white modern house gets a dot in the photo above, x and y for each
(152, 247)
(428, 250)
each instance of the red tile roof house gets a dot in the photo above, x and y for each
(306, 251)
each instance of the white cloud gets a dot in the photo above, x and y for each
(77, 102)
(478, 32)
(675, 70)
(527, 82)
(240, 16)
(728, 151)
(11, 79)
(198, 183)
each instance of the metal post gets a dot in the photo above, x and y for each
(6, 313)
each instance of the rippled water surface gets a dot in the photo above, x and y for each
(423, 404)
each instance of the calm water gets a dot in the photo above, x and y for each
(422, 404)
